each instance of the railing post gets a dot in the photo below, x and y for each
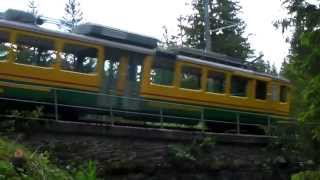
(161, 117)
(238, 123)
(269, 125)
(56, 113)
(111, 111)
(202, 120)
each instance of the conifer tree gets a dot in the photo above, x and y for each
(73, 15)
(302, 68)
(273, 70)
(33, 9)
(222, 13)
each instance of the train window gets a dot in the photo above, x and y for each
(138, 75)
(239, 86)
(216, 82)
(190, 78)
(135, 67)
(261, 90)
(283, 94)
(34, 50)
(79, 58)
(111, 68)
(4, 45)
(162, 71)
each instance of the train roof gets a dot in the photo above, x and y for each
(113, 34)
(197, 60)
(209, 56)
(76, 37)
(188, 54)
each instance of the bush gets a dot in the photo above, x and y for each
(35, 166)
(87, 172)
(306, 175)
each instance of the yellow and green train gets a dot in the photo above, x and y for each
(99, 60)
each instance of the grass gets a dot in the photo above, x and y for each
(35, 165)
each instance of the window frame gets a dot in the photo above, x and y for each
(113, 68)
(135, 60)
(174, 69)
(100, 56)
(189, 65)
(286, 87)
(55, 47)
(11, 41)
(247, 88)
(225, 89)
(266, 90)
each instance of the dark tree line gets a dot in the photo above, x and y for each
(230, 41)
(222, 13)
(264, 66)
(302, 68)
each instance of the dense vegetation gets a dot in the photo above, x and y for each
(227, 33)
(19, 163)
(302, 68)
(16, 162)
(222, 13)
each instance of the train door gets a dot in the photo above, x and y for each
(132, 81)
(109, 78)
(110, 73)
(134, 72)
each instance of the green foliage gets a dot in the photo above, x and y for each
(6, 169)
(306, 65)
(87, 172)
(303, 19)
(306, 175)
(302, 16)
(289, 141)
(20, 120)
(37, 166)
(25, 119)
(264, 66)
(302, 68)
(34, 114)
(309, 44)
(30, 54)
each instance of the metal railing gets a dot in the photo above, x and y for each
(112, 110)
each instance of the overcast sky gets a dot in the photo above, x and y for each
(149, 16)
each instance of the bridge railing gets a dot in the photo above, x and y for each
(112, 110)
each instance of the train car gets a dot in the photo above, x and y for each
(99, 68)
(237, 94)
